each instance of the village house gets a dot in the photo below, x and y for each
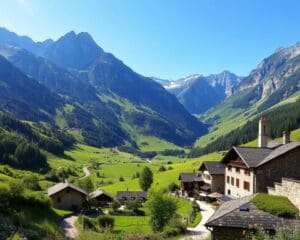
(99, 198)
(67, 196)
(123, 196)
(249, 170)
(192, 183)
(213, 176)
(234, 218)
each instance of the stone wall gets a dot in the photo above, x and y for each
(289, 188)
(284, 166)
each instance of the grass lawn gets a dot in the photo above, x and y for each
(131, 224)
(276, 205)
(163, 179)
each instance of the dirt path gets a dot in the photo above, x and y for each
(68, 226)
(86, 171)
(200, 232)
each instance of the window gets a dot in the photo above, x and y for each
(232, 181)
(237, 182)
(247, 186)
(68, 191)
(58, 200)
(237, 170)
(247, 172)
(228, 192)
(229, 168)
(228, 179)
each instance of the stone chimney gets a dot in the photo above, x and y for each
(286, 137)
(263, 132)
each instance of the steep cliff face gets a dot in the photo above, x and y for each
(272, 73)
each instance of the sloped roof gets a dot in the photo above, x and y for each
(279, 151)
(255, 157)
(252, 156)
(131, 195)
(98, 193)
(61, 186)
(213, 167)
(190, 177)
(230, 215)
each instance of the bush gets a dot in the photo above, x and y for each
(121, 179)
(132, 205)
(31, 182)
(115, 205)
(106, 221)
(162, 168)
(170, 232)
(173, 187)
(87, 223)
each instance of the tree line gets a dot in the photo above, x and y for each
(284, 118)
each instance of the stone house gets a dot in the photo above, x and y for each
(233, 219)
(213, 175)
(249, 170)
(192, 183)
(67, 196)
(100, 198)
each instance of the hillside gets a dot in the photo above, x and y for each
(92, 82)
(273, 83)
(282, 117)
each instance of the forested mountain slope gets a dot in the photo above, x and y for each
(104, 96)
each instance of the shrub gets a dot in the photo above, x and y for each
(162, 168)
(121, 179)
(31, 182)
(115, 205)
(87, 223)
(170, 232)
(173, 187)
(132, 205)
(106, 221)
(15, 188)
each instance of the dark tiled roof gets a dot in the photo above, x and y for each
(190, 177)
(213, 167)
(252, 156)
(255, 157)
(127, 195)
(98, 193)
(61, 186)
(230, 215)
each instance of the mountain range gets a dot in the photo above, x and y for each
(73, 84)
(199, 93)
(89, 91)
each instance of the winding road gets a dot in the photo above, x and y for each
(68, 226)
(200, 232)
(86, 171)
(68, 223)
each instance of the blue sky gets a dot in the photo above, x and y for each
(166, 38)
